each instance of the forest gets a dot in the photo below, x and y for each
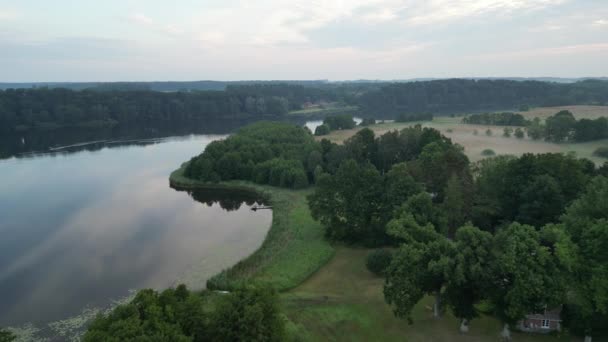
(42, 108)
(519, 234)
(103, 105)
(460, 95)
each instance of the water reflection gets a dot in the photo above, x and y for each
(228, 199)
(84, 228)
(69, 140)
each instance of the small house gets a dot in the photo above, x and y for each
(548, 321)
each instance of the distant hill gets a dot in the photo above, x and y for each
(169, 86)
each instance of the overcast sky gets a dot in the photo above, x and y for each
(146, 40)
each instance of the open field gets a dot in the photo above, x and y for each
(580, 112)
(344, 302)
(294, 247)
(463, 134)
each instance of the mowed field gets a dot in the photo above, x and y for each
(344, 302)
(474, 144)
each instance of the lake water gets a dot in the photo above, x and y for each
(84, 228)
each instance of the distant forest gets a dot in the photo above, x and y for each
(457, 95)
(124, 103)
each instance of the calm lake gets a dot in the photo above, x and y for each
(83, 228)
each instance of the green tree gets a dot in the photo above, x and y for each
(362, 146)
(7, 336)
(541, 201)
(525, 276)
(350, 203)
(173, 315)
(322, 130)
(560, 126)
(586, 220)
(248, 314)
(507, 131)
(468, 278)
(454, 205)
(519, 133)
(399, 186)
(536, 130)
(418, 269)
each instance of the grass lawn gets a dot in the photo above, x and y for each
(344, 302)
(293, 249)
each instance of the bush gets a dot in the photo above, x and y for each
(489, 132)
(519, 133)
(378, 261)
(601, 152)
(488, 152)
(475, 132)
(343, 121)
(322, 130)
(449, 130)
(507, 131)
(6, 336)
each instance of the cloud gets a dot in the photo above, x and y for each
(576, 49)
(141, 19)
(600, 22)
(7, 14)
(439, 11)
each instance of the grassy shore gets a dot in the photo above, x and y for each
(294, 247)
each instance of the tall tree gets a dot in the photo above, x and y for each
(418, 269)
(523, 275)
(350, 204)
(468, 277)
(587, 222)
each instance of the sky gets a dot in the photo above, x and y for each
(154, 40)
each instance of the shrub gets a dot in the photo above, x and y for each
(488, 132)
(322, 130)
(488, 152)
(475, 132)
(601, 152)
(378, 261)
(449, 130)
(507, 131)
(519, 133)
(6, 336)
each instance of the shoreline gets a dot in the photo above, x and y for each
(294, 247)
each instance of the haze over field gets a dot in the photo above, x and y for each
(228, 40)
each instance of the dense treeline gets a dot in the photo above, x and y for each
(367, 178)
(514, 232)
(50, 108)
(564, 127)
(130, 103)
(531, 189)
(247, 314)
(496, 119)
(458, 95)
(266, 153)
